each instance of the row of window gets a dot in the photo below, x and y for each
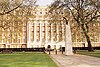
(14, 41)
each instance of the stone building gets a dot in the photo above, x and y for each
(40, 29)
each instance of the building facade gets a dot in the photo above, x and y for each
(43, 32)
(41, 29)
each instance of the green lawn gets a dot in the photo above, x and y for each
(96, 53)
(26, 59)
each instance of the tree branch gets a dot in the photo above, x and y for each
(11, 10)
(94, 18)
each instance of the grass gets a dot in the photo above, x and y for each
(26, 59)
(96, 53)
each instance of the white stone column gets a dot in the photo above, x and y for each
(43, 34)
(52, 33)
(40, 33)
(28, 34)
(35, 32)
(63, 33)
(57, 32)
(46, 31)
(68, 40)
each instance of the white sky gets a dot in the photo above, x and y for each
(44, 2)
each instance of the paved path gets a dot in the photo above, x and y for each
(75, 60)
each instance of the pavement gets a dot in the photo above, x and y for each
(75, 60)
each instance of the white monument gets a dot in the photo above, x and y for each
(68, 39)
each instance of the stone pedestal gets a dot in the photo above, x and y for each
(68, 41)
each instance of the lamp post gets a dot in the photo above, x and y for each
(68, 39)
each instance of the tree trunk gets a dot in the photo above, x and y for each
(90, 48)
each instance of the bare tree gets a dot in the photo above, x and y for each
(82, 11)
(7, 6)
(13, 14)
